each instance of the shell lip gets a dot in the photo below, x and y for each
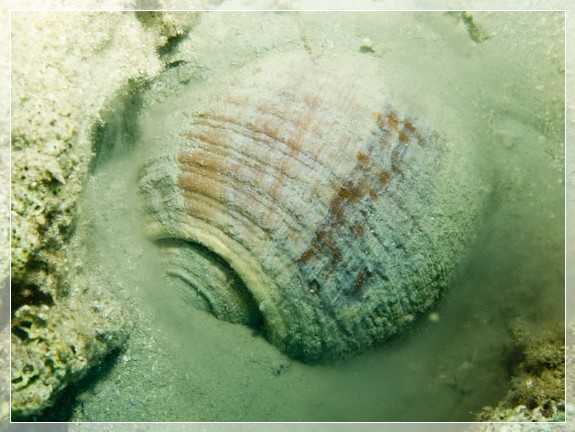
(206, 300)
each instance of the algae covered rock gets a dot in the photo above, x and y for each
(537, 390)
(52, 351)
(68, 72)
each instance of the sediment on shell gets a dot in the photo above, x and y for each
(326, 201)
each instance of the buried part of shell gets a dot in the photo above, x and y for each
(302, 202)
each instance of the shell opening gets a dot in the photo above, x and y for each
(208, 282)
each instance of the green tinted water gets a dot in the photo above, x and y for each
(184, 365)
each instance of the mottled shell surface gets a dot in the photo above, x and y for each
(298, 196)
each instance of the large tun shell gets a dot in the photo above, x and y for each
(298, 195)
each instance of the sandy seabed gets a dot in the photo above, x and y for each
(179, 364)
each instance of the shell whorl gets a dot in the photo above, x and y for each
(295, 196)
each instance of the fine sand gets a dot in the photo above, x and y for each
(180, 364)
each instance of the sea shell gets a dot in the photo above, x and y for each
(297, 195)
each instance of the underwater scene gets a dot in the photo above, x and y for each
(288, 217)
